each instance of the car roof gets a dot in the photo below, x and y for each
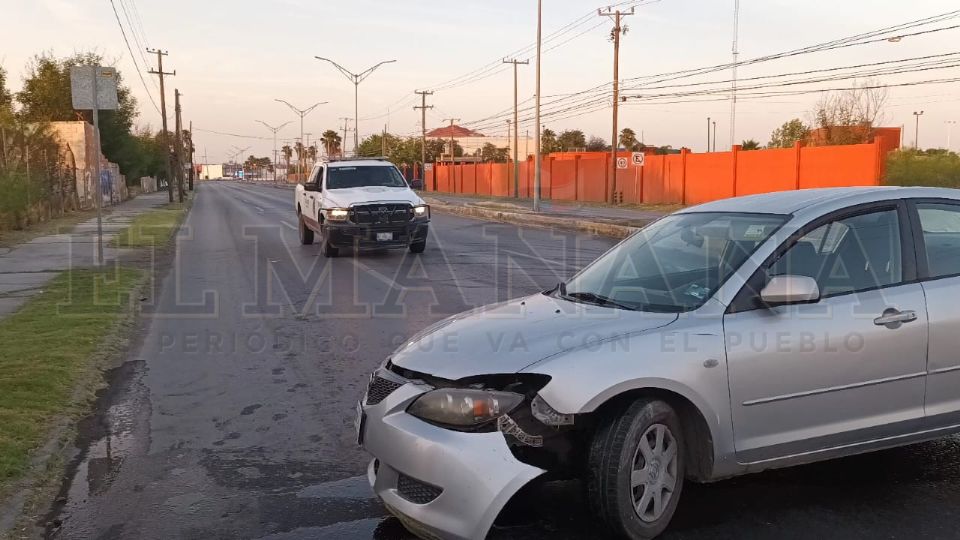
(790, 202)
(359, 163)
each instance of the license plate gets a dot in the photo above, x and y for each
(359, 423)
(384, 236)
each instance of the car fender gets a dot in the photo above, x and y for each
(687, 358)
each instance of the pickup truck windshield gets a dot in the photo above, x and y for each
(675, 264)
(354, 177)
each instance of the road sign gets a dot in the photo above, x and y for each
(638, 158)
(621, 163)
(81, 87)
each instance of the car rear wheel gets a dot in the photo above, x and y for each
(636, 469)
(306, 233)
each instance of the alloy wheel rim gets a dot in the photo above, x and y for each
(653, 477)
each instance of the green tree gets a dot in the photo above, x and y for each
(548, 142)
(597, 144)
(6, 98)
(45, 97)
(750, 144)
(789, 134)
(572, 140)
(628, 140)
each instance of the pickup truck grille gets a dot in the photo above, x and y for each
(381, 214)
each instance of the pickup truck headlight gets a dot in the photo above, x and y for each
(463, 407)
(421, 211)
(337, 214)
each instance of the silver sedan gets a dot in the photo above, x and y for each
(729, 338)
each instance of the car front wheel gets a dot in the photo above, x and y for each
(636, 469)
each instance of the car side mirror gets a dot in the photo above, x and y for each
(311, 187)
(416, 184)
(790, 289)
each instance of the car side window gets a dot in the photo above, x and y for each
(941, 236)
(848, 255)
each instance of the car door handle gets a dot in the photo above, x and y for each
(894, 318)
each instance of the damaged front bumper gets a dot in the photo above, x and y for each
(440, 483)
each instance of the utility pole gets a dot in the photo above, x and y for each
(165, 138)
(618, 30)
(516, 123)
(950, 124)
(714, 135)
(733, 88)
(916, 133)
(274, 130)
(301, 113)
(423, 134)
(509, 142)
(193, 166)
(453, 152)
(179, 142)
(708, 134)
(356, 79)
(346, 128)
(538, 166)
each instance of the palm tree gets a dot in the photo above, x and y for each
(331, 142)
(312, 153)
(287, 155)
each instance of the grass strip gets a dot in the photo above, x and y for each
(153, 228)
(50, 347)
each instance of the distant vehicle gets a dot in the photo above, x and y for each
(360, 203)
(728, 338)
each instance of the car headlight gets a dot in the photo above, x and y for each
(422, 211)
(462, 407)
(337, 214)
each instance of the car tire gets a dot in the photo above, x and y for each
(418, 247)
(326, 248)
(636, 469)
(306, 233)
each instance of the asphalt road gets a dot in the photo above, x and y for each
(233, 416)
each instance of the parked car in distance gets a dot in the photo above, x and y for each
(728, 338)
(360, 203)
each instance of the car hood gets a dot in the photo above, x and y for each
(371, 195)
(507, 337)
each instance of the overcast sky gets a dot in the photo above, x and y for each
(234, 57)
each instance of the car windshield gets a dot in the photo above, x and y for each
(364, 176)
(675, 264)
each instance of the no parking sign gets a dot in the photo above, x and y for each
(621, 163)
(638, 159)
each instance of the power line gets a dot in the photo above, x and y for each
(591, 96)
(134, 58)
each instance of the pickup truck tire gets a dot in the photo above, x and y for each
(326, 248)
(636, 469)
(306, 233)
(418, 247)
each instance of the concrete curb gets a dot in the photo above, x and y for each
(536, 220)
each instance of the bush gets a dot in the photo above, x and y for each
(936, 168)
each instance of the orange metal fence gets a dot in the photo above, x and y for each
(684, 178)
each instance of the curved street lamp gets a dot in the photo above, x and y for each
(356, 79)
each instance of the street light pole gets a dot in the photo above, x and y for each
(356, 79)
(538, 166)
(302, 113)
(916, 133)
(950, 124)
(274, 130)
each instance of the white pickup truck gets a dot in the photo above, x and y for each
(360, 203)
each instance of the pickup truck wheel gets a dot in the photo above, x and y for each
(636, 469)
(418, 247)
(325, 247)
(306, 233)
